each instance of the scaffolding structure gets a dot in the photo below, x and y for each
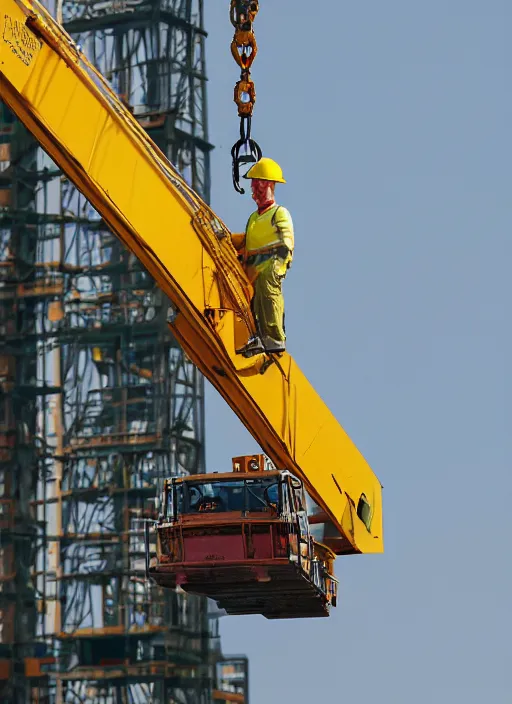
(98, 404)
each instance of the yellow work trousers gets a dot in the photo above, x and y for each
(268, 301)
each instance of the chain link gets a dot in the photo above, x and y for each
(244, 49)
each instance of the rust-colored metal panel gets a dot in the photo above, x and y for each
(5, 669)
(7, 624)
(34, 666)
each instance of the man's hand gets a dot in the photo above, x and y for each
(238, 240)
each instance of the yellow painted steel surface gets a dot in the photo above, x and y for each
(79, 121)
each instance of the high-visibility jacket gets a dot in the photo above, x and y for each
(272, 229)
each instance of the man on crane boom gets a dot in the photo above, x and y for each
(266, 248)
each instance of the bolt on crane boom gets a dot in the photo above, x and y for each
(51, 87)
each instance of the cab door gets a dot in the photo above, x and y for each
(301, 519)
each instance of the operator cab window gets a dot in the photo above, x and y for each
(251, 495)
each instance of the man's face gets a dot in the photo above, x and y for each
(262, 191)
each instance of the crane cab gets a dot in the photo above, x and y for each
(243, 539)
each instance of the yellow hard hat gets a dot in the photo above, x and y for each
(266, 170)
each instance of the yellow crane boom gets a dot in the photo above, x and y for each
(70, 109)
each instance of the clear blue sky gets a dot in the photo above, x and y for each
(392, 121)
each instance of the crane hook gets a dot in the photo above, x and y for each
(245, 151)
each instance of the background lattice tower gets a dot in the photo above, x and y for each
(25, 289)
(99, 403)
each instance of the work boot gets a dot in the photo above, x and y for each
(252, 347)
(272, 345)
